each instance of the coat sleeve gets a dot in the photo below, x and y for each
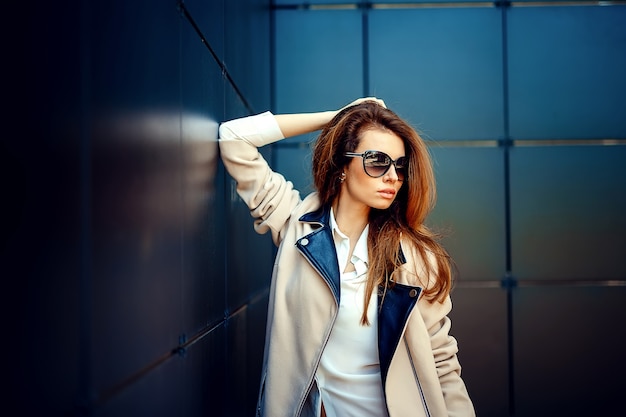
(268, 195)
(444, 349)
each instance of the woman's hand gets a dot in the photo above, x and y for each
(301, 123)
(378, 101)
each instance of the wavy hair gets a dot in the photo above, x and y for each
(404, 219)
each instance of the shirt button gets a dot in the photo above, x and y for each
(413, 293)
(304, 242)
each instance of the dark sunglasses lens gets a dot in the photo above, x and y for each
(376, 163)
(402, 165)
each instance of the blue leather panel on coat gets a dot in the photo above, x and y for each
(319, 248)
(397, 304)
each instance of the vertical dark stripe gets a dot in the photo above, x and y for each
(365, 9)
(508, 280)
(272, 35)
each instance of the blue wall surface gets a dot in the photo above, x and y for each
(522, 104)
(134, 282)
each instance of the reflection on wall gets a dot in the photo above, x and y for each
(141, 162)
(119, 235)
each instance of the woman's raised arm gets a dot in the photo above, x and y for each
(302, 123)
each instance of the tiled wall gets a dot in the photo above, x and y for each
(522, 105)
(137, 284)
(133, 282)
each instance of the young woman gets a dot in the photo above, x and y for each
(357, 323)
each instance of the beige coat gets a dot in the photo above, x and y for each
(419, 366)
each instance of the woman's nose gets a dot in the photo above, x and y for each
(391, 174)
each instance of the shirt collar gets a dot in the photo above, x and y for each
(360, 249)
(333, 225)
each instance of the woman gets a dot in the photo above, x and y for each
(357, 323)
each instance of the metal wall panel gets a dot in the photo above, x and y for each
(567, 348)
(480, 325)
(250, 255)
(470, 209)
(179, 387)
(319, 59)
(136, 187)
(247, 52)
(294, 163)
(441, 69)
(124, 295)
(202, 88)
(247, 56)
(567, 73)
(567, 206)
(256, 319)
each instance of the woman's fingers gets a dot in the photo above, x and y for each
(376, 100)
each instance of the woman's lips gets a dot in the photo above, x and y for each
(388, 193)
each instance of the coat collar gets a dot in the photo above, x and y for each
(318, 248)
(321, 216)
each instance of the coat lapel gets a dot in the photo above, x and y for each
(319, 248)
(395, 306)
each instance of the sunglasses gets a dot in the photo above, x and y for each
(376, 163)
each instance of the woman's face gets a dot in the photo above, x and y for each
(359, 188)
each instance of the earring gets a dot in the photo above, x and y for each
(342, 177)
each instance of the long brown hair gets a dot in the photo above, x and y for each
(404, 219)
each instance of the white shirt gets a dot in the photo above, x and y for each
(348, 376)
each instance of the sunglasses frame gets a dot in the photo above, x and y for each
(364, 155)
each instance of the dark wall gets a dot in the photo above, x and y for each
(136, 283)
